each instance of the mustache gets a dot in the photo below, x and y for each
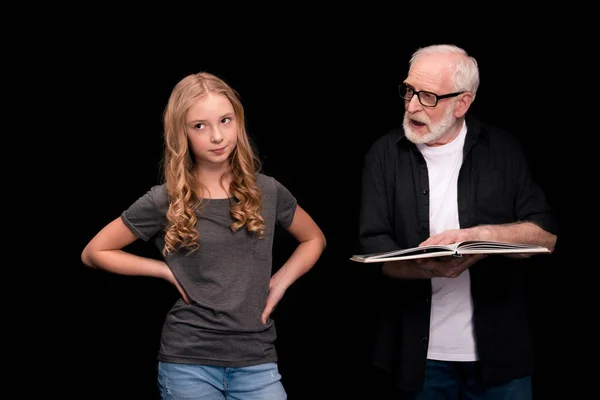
(418, 118)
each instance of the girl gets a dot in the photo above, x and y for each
(213, 219)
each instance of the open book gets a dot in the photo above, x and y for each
(456, 250)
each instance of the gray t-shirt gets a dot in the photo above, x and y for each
(226, 279)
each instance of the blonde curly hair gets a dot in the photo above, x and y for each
(184, 191)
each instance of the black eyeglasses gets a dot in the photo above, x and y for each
(427, 99)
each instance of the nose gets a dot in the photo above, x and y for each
(413, 104)
(216, 136)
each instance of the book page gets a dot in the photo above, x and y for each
(475, 246)
(466, 247)
(437, 252)
(414, 251)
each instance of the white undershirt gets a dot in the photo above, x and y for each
(451, 331)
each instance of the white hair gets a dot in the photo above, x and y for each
(466, 71)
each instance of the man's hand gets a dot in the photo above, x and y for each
(433, 267)
(458, 235)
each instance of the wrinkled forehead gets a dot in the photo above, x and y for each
(432, 72)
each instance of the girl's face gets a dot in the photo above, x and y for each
(212, 129)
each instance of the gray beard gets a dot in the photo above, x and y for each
(436, 131)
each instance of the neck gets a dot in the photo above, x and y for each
(210, 176)
(209, 173)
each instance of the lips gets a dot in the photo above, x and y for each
(417, 120)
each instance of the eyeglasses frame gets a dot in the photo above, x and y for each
(418, 94)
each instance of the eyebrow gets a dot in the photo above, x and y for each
(413, 88)
(230, 114)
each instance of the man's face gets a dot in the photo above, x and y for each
(431, 125)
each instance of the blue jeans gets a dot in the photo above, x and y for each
(201, 382)
(460, 380)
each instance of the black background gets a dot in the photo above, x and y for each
(313, 107)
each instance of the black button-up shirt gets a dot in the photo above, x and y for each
(495, 186)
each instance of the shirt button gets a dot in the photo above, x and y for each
(424, 338)
(424, 191)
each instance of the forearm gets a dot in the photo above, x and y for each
(518, 232)
(300, 262)
(123, 263)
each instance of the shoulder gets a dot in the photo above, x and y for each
(159, 192)
(151, 206)
(156, 195)
(388, 140)
(263, 179)
(271, 187)
(496, 136)
(385, 146)
(267, 183)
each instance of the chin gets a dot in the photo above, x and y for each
(415, 136)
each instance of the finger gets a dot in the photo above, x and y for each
(265, 316)
(184, 296)
(473, 258)
(266, 313)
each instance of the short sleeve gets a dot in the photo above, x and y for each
(147, 215)
(286, 205)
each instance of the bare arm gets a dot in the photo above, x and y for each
(519, 232)
(105, 252)
(311, 245)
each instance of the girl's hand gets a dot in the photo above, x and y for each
(275, 294)
(169, 277)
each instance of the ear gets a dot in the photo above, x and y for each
(462, 104)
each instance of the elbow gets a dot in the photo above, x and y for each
(552, 240)
(323, 242)
(548, 239)
(86, 257)
(318, 244)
